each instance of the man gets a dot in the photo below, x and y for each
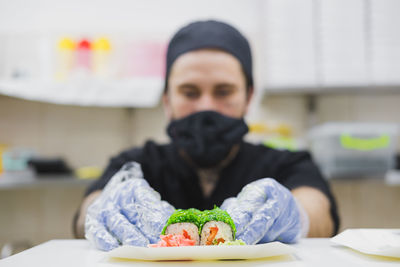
(208, 88)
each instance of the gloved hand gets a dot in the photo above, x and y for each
(266, 211)
(127, 212)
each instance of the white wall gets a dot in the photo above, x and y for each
(121, 15)
(84, 136)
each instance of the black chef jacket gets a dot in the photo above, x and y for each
(179, 184)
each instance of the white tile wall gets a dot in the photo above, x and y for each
(38, 214)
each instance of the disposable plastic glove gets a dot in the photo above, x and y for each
(265, 211)
(127, 212)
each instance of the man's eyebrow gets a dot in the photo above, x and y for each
(225, 85)
(187, 86)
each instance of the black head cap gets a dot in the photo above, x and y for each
(210, 34)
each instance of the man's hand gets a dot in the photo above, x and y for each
(265, 211)
(128, 211)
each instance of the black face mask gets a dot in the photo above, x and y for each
(207, 137)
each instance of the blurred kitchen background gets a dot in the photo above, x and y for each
(80, 80)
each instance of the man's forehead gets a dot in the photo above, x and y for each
(211, 65)
(200, 54)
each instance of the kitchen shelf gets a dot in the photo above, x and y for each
(133, 92)
(332, 90)
(28, 179)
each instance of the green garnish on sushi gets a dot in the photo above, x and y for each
(180, 216)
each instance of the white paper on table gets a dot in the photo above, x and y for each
(203, 252)
(382, 242)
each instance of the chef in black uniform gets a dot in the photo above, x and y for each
(208, 88)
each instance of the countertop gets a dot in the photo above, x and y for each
(310, 252)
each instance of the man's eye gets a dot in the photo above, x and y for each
(191, 94)
(223, 92)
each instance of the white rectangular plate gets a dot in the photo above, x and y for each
(203, 252)
(382, 242)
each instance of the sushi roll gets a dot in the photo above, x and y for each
(184, 222)
(209, 227)
(216, 227)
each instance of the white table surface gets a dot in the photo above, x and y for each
(310, 252)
